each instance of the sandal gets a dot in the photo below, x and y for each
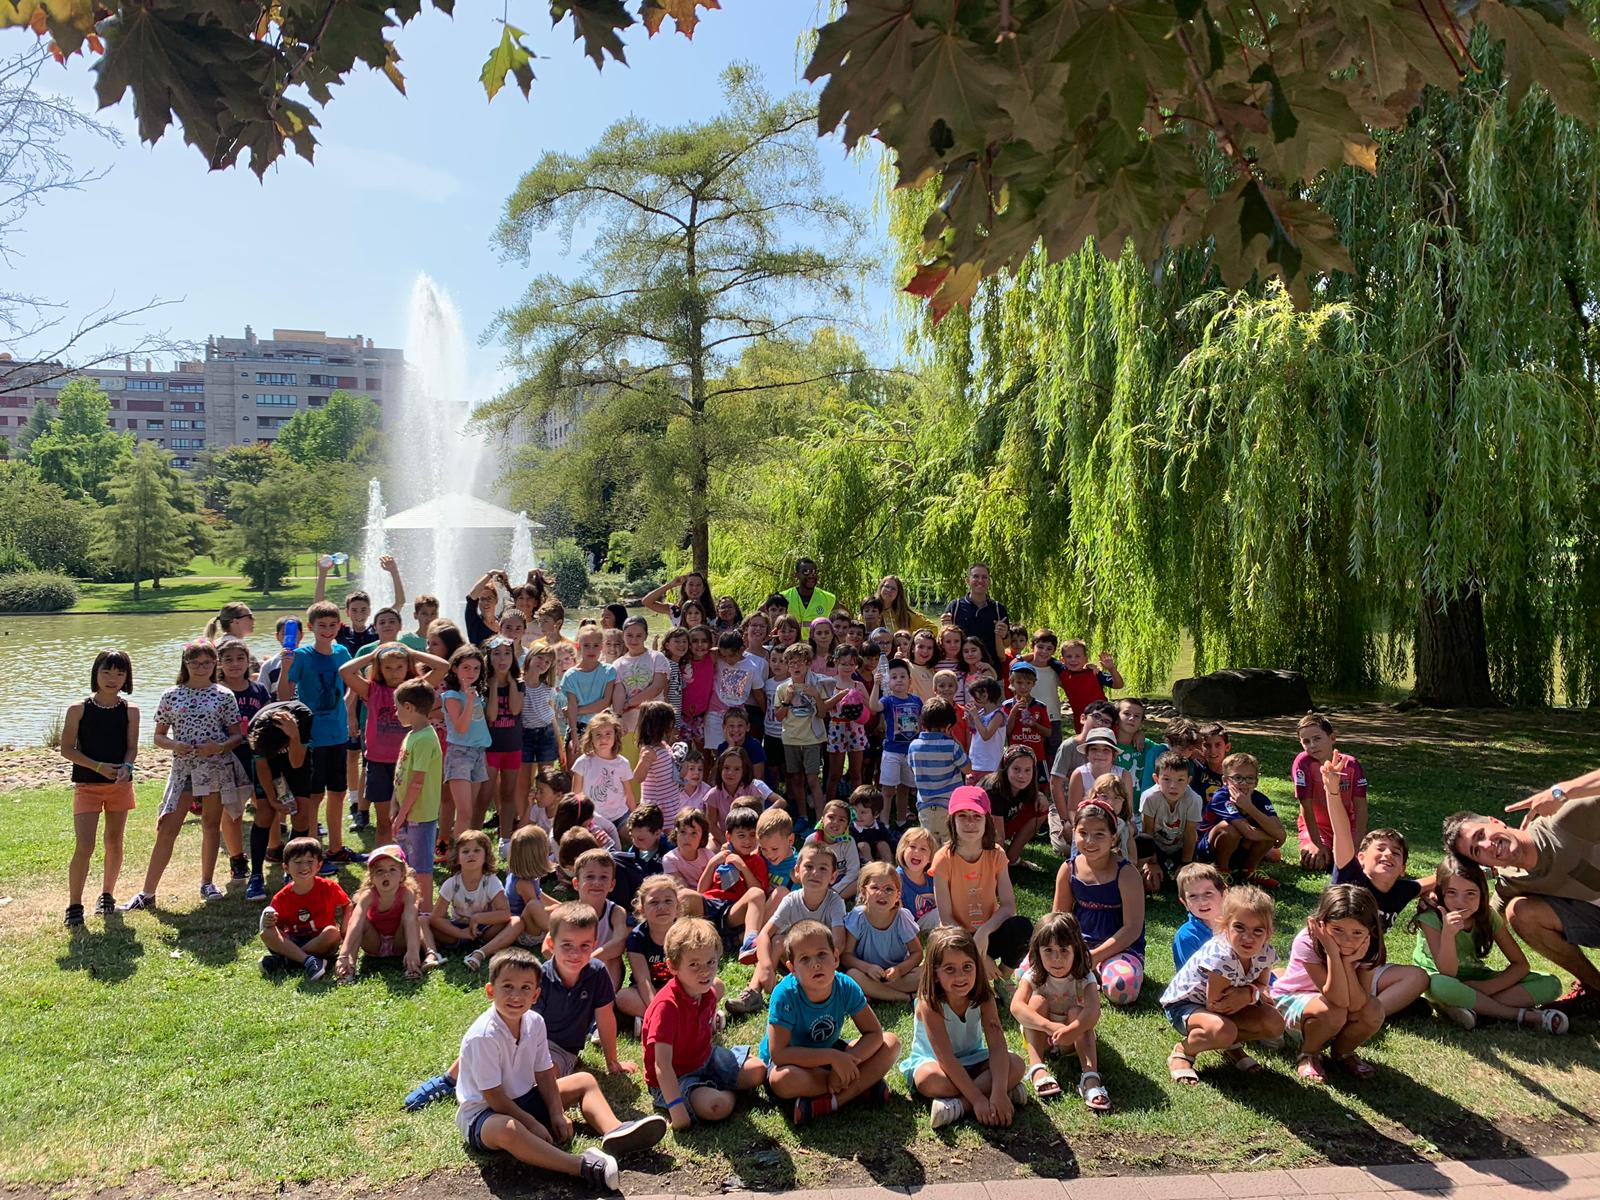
(1241, 1059)
(1551, 1020)
(1309, 1068)
(1095, 1094)
(432, 961)
(1357, 1066)
(1184, 1074)
(1047, 1088)
(474, 961)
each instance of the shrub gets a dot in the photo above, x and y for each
(571, 574)
(36, 591)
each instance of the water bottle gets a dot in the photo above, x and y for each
(291, 633)
(727, 873)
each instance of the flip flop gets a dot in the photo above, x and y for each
(1309, 1068)
(1241, 1059)
(1047, 1088)
(1095, 1094)
(1184, 1074)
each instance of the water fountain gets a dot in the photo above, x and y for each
(522, 555)
(374, 545)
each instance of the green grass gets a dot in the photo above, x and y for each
(150, 1046)
(205, 585)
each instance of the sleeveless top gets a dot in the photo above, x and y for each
(1099, 909)
(386, 923)
(103, 736)
(661, 787)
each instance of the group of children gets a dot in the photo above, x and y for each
(648, 829)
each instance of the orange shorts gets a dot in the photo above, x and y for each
(102, 797)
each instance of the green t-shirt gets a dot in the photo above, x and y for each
(420, 754)
(1467, 955)
(415, 640)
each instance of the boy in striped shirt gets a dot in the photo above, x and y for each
(938, 767)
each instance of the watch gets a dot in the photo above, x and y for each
(1558, 793)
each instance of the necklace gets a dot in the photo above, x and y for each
(105, 707)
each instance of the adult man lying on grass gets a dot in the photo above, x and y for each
(1549, 876)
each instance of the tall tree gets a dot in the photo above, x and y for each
(694, 267)
(40, 528)
(261, 539)
(218, 470)
(343, 430)
(39, 421)
(80, 451)
(147, 529)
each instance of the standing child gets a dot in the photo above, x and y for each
(972, 881)
(946, 686)
(655, 779)
(312, 677)
(675, 653)
(198, 721)
(1048, 688)
(902, 719)
(874, 841)
(466, 759)
(301, 926)
(736, 681)
(100, 738)
(1315, 732)
(938, 765)
(987, 721)
(473, 900)
(504, 755)
(1027, 721)
(1058, 1006)
(834, 833)
(418, 782)
(918, 893)
(847, 730)
(384, 921)
(699, 684)
(1106, 893)
(540, 746)
(924, 653)
(589, 687)
(1085, 685)
(803, 701)
(687, 1074)
(1456, 930)
(882, 950)
(601, 773)
(771, 723)
(959, 1058)
(1325, 991)
(641, 678)
(375, 678)
(807, 1057)
(233, 664)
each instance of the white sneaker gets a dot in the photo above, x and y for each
(1019, 1096)
(947, 1112)
(598, 1169)
(1463, 1017)
(505, 848)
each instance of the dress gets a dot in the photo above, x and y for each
(967, 1042)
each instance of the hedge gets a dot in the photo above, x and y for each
(36, 591)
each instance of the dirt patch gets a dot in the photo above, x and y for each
(25, 767)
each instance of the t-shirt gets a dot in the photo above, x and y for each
(771, 726)
(477, 734)
(305, 914)
(902, 719)
(792, 910)
(720, 802)
(812, 1024)
(466, 902)
(735, 682)
(420, 754)
(938, 765)
(1295, 979)
(752, 746)
(252, 700)
(1047, 689)
(602, 780)
(1083, 689)
(493, 1057)
(636, 673)
(1308, 791)
(1191, 935)
(1033, 736)
(1140, 761)
(1390, 903)
(354, 639)
(881, 947)
(655, 957)
(415, 640)
(803, 725)
(1169, 819)
(918, 901)
(568, 1012)
(586, 687)
(732, 891)
(1568, 864)
(505, 726)
(780, 874)
(1466, 949)
(384, 731)
(199, 715)
(682, 1021)
(974, 886)
(978, 621)
(1221, 807)
(1216, 957)
(317, 685)
(686, 871)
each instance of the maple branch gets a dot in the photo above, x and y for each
(767, 387)
(1455, 31)
(1422, 6)
(311, 47)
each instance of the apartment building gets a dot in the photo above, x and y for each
(245, 390)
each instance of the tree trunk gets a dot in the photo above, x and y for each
(700, 545)
(136, 587)
(1452, 655)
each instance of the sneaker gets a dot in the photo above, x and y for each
(74, 917)
(328, 867)
(314, 968)
(505, 849)
(239, 867)
(275, 855)
(360, 821)
(746, 1002)
(273, 964)
(106, 905)
(492, 821)
(440, 1087)
(1019, 1096)
(354, 808)
(878, 1093)
(1579, 1001)
(346, 855)
(211, 893)
(635, 1135)
(599, 1170)
(1263, 881)
(1463, 1017)
(256, 889)
(139, 903)
(947, 1112)
(809, 1108)
(747, 949)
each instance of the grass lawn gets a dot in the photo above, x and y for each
(205, 586)
(150, 1048)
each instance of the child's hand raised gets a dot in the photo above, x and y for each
(1107, 662)
(1454, 921)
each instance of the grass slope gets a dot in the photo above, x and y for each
(205, 586)
(151, 1047)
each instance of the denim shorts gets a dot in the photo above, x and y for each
(418, 842)
(1179, 1013)
(721, 1071)
(532, 1104)
(466, 762)
(539, 745)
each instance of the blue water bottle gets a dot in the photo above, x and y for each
(291, 633)
(727, 873)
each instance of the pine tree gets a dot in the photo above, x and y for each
(145, 530)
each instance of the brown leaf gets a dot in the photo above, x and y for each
(682, 12)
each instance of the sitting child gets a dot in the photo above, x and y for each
(472, 903)
(1219, 997)
(687, 1074)
(301, 926)
(874, 841)
(687, 860)
(1325, 991)
(807, 1058)
(775, 835)
(1239, 827)
(918, 892)
(833, 831)
(972, 880)
(1169, 815)
(813, 900)
(1057, 1004)
(1104, 889)
(527, 863)
(514, 1098)
(959, 1059)
(384, 921)
(881, 950)
(1200, 889)
(657, 908)
(1456, 930)
(733, 888)
(938, 765)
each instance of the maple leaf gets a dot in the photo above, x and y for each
(1327, 132)
(510, 57)
(597, 24)
(866, 55)
(682, 12)
(950, 104)
(1122, 52)
(1544, 51)
(68, 22)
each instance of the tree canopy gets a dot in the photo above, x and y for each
(150, 527)
(79, 451)
(343, 430)
(1187, 123)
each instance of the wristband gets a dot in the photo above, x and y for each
(672, 1104)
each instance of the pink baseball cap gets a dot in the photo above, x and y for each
(390, 851)
(969, 798)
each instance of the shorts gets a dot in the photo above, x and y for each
(895, 770)
(773, 745)
(721, 1071)
(539, 744)
(935, 818)
(803, 760)
(1580, 920)
(108, 797)
(713, 731)
(1168, 860)
(717, 911)
(872, 839)
(380, 782)
(1205, 852)
(328, 769)
(472, 1120)
(356, 744)
(846, 737)
(418, 842)
(1178, 1014)
(566, 1061)
(504, 760)
(470, 763)
(1292, 1008)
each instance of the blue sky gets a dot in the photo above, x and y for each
(401, 184)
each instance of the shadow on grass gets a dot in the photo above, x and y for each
(1555, 1053)
(108, 950)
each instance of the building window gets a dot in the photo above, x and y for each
(186, 443)
(278, 399)
(133, 423)
(154, 424)
(276, 377)
(188, 424)
(316, 401)
(146, 385)
(146, 406)
(374, 385)
(187, 387)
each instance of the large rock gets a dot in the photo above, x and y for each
(1243, 692)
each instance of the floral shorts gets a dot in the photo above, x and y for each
(693, 729)
(846, 735)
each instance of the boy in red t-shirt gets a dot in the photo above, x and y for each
(689, 1076)
(1027, 721)
(1082, 683)
(734, 883)
(305, 920)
